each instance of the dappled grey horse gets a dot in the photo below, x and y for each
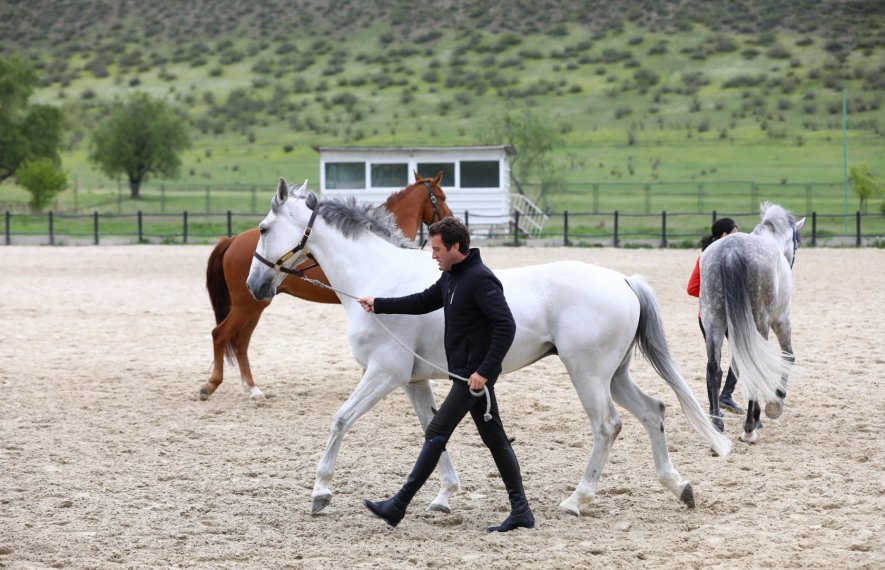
(746, 288)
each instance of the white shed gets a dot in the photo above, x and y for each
(476, 179)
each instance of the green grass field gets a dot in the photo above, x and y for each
(717, 114)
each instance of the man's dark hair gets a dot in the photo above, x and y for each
(452, 231)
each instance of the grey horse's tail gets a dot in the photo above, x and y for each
(758, 364)
(653, 345)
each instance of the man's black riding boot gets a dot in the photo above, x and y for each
(393, 509)
(520, 514)
(725, 399)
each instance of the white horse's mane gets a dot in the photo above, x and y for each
(353, 219)
(776, 219)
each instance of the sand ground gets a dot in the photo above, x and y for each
(108, 460)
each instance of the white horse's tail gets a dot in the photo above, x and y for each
(653, 345)
(758, 364)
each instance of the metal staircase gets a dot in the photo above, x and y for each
(531, 218)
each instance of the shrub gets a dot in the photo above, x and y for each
(43, 180)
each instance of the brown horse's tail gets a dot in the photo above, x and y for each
(219, 294)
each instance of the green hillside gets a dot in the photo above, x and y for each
(639, 91)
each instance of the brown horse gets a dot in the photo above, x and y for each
(237, 312)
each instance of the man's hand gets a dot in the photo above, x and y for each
(476, 382)
(368, 303)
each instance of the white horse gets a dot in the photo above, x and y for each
(591, 317)
(746, 289)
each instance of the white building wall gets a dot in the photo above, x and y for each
(485, 206)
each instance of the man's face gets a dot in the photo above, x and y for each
(445, 257)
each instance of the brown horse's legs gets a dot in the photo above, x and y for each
(230, 330)
(241, 343)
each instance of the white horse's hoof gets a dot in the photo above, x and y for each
(687, 496)
(320, 502)
(256, 395)
(750, 438)
(774, 409)
(438, 508)
(569, 508)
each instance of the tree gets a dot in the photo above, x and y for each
(43, 179)
(27, 132)
(141, 138)
(864, 184)
(534, 140)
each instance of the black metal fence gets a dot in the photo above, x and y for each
(615, 229)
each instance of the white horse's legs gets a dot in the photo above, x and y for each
(371, 389)
(650, 412)
(594, 394)
(421, 396)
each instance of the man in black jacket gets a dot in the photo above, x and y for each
(479, 331)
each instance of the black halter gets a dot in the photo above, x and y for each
(278, 266)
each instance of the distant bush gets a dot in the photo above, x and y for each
(778, 52)
(750, 53)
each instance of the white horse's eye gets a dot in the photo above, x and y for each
(262, 230)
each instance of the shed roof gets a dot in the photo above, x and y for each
(505, 147)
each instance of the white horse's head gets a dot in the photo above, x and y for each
(783, 227)
(283, 242)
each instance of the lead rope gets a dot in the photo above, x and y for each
(485, 390)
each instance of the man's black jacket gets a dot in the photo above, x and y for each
(479, 324)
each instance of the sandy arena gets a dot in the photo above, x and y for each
(108, 460)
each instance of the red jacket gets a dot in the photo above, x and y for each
(694, 282)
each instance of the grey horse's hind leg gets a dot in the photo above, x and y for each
(783, 331)
(752, 423)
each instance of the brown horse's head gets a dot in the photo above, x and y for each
(435, 207)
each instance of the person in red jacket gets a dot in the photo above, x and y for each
(720, 229)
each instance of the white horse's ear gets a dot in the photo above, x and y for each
(800, 224)
(300, 190)
(282, 192)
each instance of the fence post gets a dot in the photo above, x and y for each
(184, 228)
(565, 229)
(140, 228)
(663, 228)
(8, 224)
(813, 228)
(616, 243)
(516, 227)
(857, 225)
(647, 198)
(95, 226)
(467, 219)
(230, 224)
(754, 196)
(51, 229)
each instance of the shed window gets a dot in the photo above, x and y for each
(431, 169)
(345, 175)
(480, 174)
(390, 175)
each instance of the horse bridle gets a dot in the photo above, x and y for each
(436, 217)
(795, 247)
(278, 266)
